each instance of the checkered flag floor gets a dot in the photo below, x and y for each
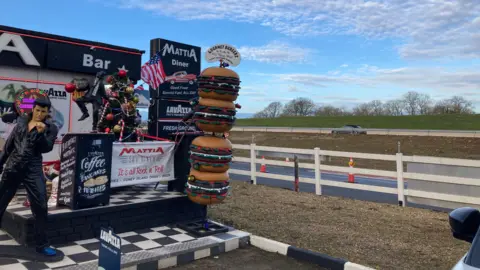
(119, 196)
(80, 252)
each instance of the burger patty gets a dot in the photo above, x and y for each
(222, 193)
(225, 86)
(219, 91)
(207, 157)
(219, 79)
(210, 150)
(213, 116)
(215, 110)
(209, 161)
(206, 184)
(213, 121)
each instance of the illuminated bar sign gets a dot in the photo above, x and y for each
(24, 99)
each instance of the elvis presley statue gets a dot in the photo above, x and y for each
(94, 96)
(21, 163)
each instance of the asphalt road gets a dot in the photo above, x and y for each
(328, 190)
(249, 258)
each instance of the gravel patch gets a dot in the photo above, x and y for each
(378, 235)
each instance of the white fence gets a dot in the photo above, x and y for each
(370, 131)
(399, 175)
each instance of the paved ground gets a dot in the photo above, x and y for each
(247, 259)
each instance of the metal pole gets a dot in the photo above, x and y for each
(295, 160)
(398, 147)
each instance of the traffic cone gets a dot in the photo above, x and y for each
(263, 167)
(351, 176)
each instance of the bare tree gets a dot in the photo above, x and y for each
(329, 110)
(260, 114)
(394, 107)
(459, 105)
(424, 104)
(453, 105)
(273, 109)
(362, 109)
(376, 107)
(299, 107)
(411, 100)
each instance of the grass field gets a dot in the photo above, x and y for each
(438, 122)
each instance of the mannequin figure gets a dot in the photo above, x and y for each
(94, 96)
(21, 163)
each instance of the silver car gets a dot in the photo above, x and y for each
(465, 223)
(349, 129)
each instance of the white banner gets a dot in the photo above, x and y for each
(141, 163)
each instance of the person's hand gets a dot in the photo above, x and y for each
(40, 127)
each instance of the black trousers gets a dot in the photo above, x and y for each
(96, 104)
(37, 195)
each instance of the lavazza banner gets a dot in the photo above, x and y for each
(142, 163)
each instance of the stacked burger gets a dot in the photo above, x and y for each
(210, 155)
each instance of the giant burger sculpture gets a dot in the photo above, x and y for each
(214, 114)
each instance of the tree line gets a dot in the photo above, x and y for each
(411, 103)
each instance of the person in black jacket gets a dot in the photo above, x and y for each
(21, 163)
(94, 96)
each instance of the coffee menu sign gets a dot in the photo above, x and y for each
(89, 158)
(24, 48)
(67, 171)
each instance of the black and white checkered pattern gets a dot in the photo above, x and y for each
(80, 252)
(119, 196)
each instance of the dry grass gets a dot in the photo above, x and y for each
(468, 148)
(378, 235)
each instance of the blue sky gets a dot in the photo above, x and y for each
(339, 52)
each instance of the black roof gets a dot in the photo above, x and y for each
(4, 28)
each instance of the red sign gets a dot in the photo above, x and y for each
(24, 99)
(131, 150)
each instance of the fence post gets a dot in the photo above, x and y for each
(400, 184)
(295, 168)
(318, 172)
(253, 164)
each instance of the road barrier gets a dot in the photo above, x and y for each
(370, 131)
(399, 175)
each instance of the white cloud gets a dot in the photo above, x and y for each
(275, 52)
(435, 78)
(429, 28)
(344, 66)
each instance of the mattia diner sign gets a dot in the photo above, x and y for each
(223, 52)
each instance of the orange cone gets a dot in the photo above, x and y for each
(351, 176)
(263, 167)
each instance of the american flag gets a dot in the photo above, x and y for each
(152, 72)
